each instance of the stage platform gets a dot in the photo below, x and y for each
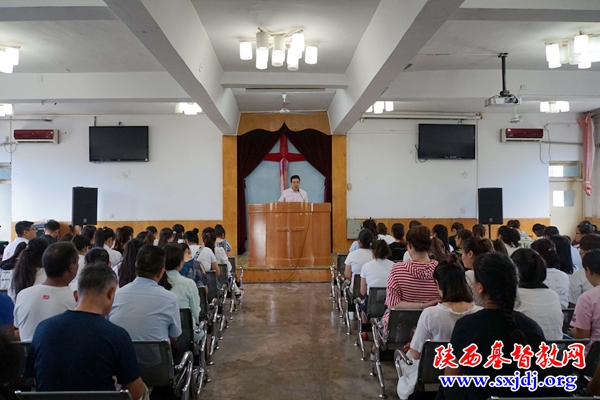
(283, 274)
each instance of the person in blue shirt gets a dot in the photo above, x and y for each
(6, 314)
(80, 350)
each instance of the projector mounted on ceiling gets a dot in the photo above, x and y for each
(505, 99)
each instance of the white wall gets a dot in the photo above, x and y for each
(182, 180)
(388, 183)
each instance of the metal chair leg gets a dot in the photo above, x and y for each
(211, 350)
(380, 376)
(231, 306)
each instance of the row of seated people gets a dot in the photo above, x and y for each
(141, 297)
(524, 293)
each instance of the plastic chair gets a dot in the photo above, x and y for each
(427, 375)
(375, 309)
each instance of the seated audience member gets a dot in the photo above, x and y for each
(80, 350)
(178, 232)
(555, 278)
(25, 232)
(525, 241)
(368, 224)
(472, 248)
(185, 289)
(578, 282)
(165, 237)
(479, 231)
(361, 256)
(105, 238)
(192, 269)
(8, 266)
(510, 237)
(154, 231)
(82, 244)
(563, 249)
(6, 315)
(122, 235)
(441, 232)
(454, 229)
(96, 254)
(551, 231)
(90, 232)
(584, 228)
(586, 318)
(534, 298)
(125, 270)
(209, 237)
(221, 241)
(461, 236)
(143, 308)
(204, 254)
(147, 237)
(436, 323)
(410, 284)
(28, 270)
(398, 248)
(51, 231)
(414, 223)
(538, 229)
(52, 297)
(438, 251)
(375, 273)
(382, 233)
(496, 283)
(67, 237)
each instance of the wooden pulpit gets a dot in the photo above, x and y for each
(289, 234)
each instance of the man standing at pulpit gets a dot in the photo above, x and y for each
(294, 194)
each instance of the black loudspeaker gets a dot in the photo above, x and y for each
(490, 206)
(85, 206)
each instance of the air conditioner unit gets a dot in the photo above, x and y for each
(36, 136)
(522, 135)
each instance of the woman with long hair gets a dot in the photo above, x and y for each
(105, 238)
(563, 249)
(437, 251)
(165, 237)
(398, 248)
(441, 232)
(122, 235)
(178, 232)
(125, 270)
(479, 231)
(555, 278)
(221, 241)
(360, 256)
(510, 237)
(472, 248)
(28, 270)
(204, 254)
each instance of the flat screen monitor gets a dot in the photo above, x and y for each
(118, 143)
(453, 142)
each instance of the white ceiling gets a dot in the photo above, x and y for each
(273, 101)
(477, 106)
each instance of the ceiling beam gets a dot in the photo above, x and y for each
(534, 4)
(283, 80)
(398, 30)
(71, 13)
(173, 33)
(525, 15)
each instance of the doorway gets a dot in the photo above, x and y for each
(566, 196)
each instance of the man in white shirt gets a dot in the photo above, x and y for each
(52, 297)
(294, 194)
(25, 232)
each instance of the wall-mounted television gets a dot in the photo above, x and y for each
(452, 142)
(118, 143)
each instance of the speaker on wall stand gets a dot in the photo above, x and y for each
(85, 206)
(490, 206)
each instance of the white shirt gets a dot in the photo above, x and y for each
(357, 258)
(222, 258)
(376, 273)
(38, 303)
(388, 239)
(9, 250)
(576, 258)
(114, 256)
(187, 293)
(559, 282)
(5, 278)
(40, 277)
(542, 306)
(81, 263)
(288, 195)
(406, 257)
(578, 285)
(206, 257)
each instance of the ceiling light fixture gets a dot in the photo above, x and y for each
(6, 110)
(188, 108)
(293, 42)
(554, 107)
(9, 57)
(582, 50)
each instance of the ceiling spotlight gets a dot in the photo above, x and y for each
(278, 56)
(246, 50)
(311, 54)
(279, 45)
(262, 58)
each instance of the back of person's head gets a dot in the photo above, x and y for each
(152, 229)
(547, 250)
(67, 237)
(122, 235)
(365, 238)
(96, 279)
(441, 232)
(28, 263)
(173, 256)
(220, 231)
(184, 246)
(370, 224)
(509, 235)
(22, 226)
(80, 242)
(381, 249)
(164, 237)
(531, 266)
(499, 246)
(514, 223)
(126, 270)
(538, 229)
(477, 245)
(450, 277)
(52, 226)
(398, 231)
(209, 237)
(178, 231)
(551, 231)
(438, 251)
(381, 229)
(58, 257)
(192, 236)
(498, 276)
(413, 223)
(419, 238)
(563, 249)
(149, 238)
(457, 226)
(150, 260)
(587, 228)
(102, 235)
(90, 232)
(479, 230)
(142, 235)
(464, 234)
(590, 242)
(591, 261)
(97, 254)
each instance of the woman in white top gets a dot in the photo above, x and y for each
(436, 323)
(203, 254)
(555, 278)
(105, 237)
(222, 258)
(375, 273)
(534, 298)
(28, 270)
(382, 234)
(362, 255)
(578, 283)
(366, 224)
(510, 237)
(473, 247)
